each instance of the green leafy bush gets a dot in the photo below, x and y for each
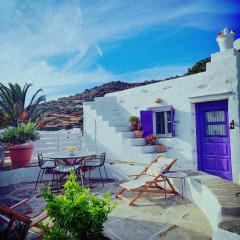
(77, 213)
(134, 119)
(21, 134)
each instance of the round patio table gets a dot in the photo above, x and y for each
(68, 155)
(72, 158)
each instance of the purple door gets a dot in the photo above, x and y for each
(213, 143)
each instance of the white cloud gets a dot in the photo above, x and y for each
(33, 31)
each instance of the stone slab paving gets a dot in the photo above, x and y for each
(225, 193)
(151, 218)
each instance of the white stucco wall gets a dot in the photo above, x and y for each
(220, 81)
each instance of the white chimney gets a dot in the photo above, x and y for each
(225, 39)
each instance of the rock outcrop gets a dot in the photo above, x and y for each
(67, 112)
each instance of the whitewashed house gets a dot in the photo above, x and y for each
(197, 119)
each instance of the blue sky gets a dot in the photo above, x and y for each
(65, 46)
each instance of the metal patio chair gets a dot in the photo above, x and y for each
(2, 153)
(46, 165)
(97, 162)
(62, 170)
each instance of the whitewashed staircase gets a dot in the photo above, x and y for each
(113, 133)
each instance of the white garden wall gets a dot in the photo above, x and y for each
(58, 141)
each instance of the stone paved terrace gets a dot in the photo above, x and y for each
(215, 196)
(225, 193)
(152, 217)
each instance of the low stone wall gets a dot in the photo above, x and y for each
(19, 175)
(217, 198)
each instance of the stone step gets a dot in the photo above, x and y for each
(109, 114)
(117, 124)
(128, 134)
(231, 211)
(112, 118)
(137, 141)
(122, 129)
(107, 110)
(230, 224)
(147, 148)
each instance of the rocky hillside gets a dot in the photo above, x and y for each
(67, 112)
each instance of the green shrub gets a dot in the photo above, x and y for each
(21, 134)
(134, 119)
(77, 213)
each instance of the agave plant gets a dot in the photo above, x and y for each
(13, 104)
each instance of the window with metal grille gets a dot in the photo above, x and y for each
(215, 123)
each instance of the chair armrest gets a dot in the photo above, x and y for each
(49, 160)
(90, 160)
(82, 160)
(40, 217)
(19, 203)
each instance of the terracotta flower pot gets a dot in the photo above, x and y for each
(161, 148)
(151, 139)
(20, 155)
(134, 126)
(158, 100)
(138, 134)
(23, 116)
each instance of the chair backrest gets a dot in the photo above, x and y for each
(40, 160)
(102, 159)
(2, 150)
(17, 224)
(161, 165)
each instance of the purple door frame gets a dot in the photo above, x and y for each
(213, 151)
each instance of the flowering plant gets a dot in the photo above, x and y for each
(151, 139)
(72, 148)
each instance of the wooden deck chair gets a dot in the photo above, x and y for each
(15, 225)
(149, 180)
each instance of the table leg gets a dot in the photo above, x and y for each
(165, 192)
(184, 184)
(182, 187)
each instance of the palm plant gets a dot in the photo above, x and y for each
(13, 103)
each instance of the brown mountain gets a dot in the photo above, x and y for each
(67, 112)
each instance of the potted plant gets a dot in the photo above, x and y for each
(139, 132)
(72, 150)
(160, 146)
(134, 121)
(77, 213)
(151, 139)
(19, 146)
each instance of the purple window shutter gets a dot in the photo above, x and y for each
(147, 122)
(172, 122)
